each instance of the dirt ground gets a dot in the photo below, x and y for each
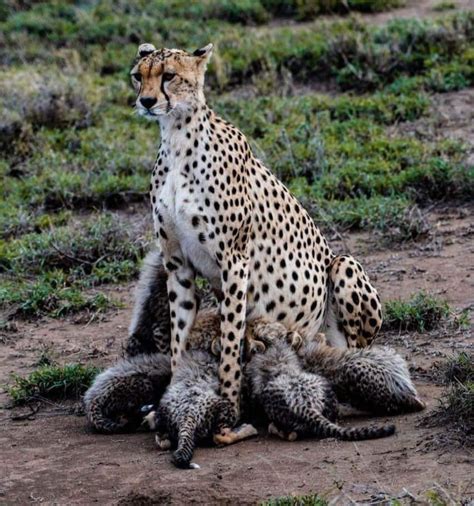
(54, 459)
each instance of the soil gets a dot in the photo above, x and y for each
(53, 458)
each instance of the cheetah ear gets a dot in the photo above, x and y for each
(204, 53)
(145, 49)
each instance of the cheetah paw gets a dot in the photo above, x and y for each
(295, 340)
(273, 430)
(229, 436)
(162, 442)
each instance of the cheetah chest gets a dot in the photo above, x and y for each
(178, 213)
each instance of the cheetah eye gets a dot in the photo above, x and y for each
(168, 76)
(137, 76)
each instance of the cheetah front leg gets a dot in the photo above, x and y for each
(182, 300)
(234, 277)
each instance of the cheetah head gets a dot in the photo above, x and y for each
(169, 80)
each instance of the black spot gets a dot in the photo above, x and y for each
(185, 283)
(187, 304)
(270, 306)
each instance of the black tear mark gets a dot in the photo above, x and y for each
(199, 52)
(168, 102)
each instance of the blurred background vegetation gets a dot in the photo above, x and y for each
(318, 88)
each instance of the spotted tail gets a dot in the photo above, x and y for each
(324, 428)
(102, 423)
(186, 442)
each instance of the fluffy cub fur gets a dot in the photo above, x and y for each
(113, 402)
(371, 379)
(298, 403)
(191, 410)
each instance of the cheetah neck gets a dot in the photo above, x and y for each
(182, 131)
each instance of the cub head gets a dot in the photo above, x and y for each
(169, 80)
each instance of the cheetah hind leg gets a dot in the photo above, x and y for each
(354, 314)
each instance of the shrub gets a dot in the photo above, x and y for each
(301, 500)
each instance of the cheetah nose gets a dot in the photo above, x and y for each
(148, 102)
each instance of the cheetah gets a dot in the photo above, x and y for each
(220, 213)
(191, 410)
(374, 379)
(298, 403)
(113, 402)
(149, 330)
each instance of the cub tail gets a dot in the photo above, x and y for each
(103, 424)
(325, 428)
(186, 442)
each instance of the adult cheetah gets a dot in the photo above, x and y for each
(218, 211)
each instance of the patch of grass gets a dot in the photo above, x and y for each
(445, 5)
(458, 369)
(48, 272)
(455, 412)
(31, 99)
(51, 293)
(302, 500)
(394, 219)
(52, 382)
(90, 245)
(422, 312)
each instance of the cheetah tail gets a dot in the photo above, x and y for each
(372, 432)
(186, 441)
(101, 423)
(326, 428)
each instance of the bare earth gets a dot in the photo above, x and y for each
(53, 459)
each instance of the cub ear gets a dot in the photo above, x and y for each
(145, 49)
(204, 52)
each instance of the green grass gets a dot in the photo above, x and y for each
(51, 294)
(445, 5)
(87, 248)
(51, 272)
(72, 144)
(422, 312)
(52, 382)
(458, 369)
(303, 500)
(455, 412)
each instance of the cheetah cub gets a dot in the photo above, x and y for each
(113, 402)
(298, 403)
(370, 379)
(191, 410)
